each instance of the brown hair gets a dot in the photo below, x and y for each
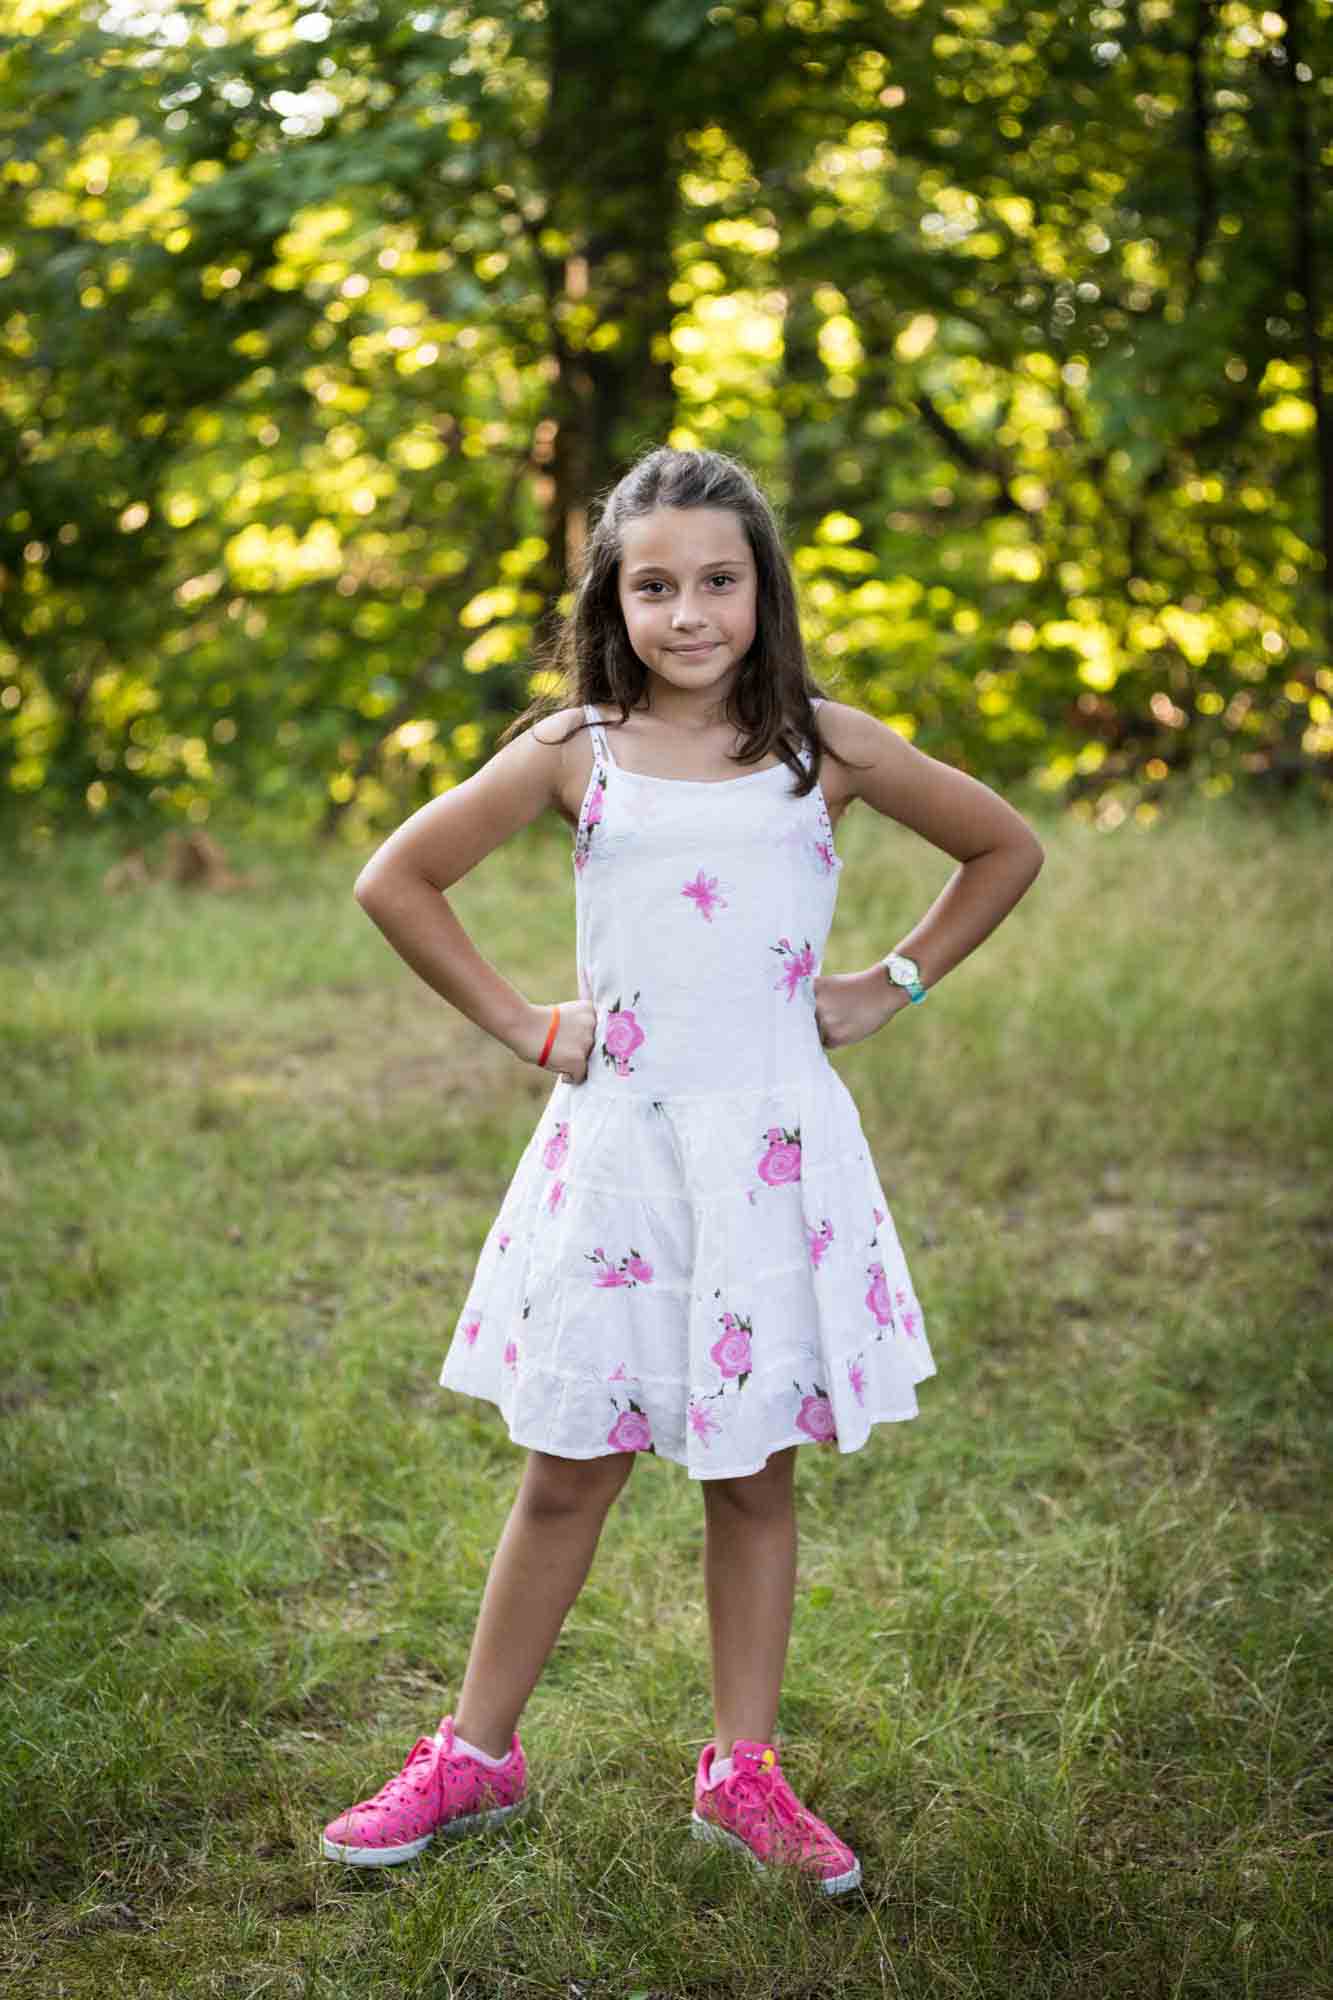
(770, 699)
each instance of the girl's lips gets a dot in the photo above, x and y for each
(695, 649)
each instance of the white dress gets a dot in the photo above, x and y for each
(695, 1257)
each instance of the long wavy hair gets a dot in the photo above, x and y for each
(770, 699)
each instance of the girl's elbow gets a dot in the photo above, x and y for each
(365, 886)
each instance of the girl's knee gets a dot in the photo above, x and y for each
(768, 1491)
(553, 1485)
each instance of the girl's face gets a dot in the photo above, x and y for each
(688, 593)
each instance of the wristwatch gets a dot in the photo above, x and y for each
(904, 972)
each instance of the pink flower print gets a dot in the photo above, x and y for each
(782, 1162)
(703, 893)
(511, 1355)
(505, 1239)
(828, 859)
(856, 1375)
(469, 1330)
(591, 818)
(702, 1421)
(556, 1147)
(609, 1274)
(631, 1270)
(815, 1417)
(555, 1195)
(732, 1352)
(797, 965)
(879, 1216)
(620, 1375)
(877, 1298)
(819, 1240)
(631, 1431)
(621, 1035)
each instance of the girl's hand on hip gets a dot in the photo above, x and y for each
(572, 1048)
(850, 1006)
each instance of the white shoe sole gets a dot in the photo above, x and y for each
(387, 1857)
(707, 1829)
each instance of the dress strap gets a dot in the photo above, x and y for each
(601, 755)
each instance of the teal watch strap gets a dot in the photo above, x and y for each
(904, 972)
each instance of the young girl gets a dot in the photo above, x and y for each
(695, 1257)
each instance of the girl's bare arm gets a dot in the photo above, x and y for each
(1000, 858)
(401, 889)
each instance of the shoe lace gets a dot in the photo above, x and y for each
(419, 1768)
(769, 1789)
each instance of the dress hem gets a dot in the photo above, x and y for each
(744, 1472)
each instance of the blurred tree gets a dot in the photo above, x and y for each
(323, 328)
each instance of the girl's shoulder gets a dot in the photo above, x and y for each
(843, 730)
(563, 735)
(555, 728)
(837, 719)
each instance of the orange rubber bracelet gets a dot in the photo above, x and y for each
(550, 1037)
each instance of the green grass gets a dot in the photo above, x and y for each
(1060, 1662)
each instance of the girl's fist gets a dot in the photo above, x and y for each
(849, 1006)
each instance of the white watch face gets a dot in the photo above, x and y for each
(902, 971)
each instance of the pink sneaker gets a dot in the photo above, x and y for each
(439, 1790)
(756, 1810)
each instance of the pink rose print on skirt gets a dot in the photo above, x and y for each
(555, 1196)
(796, 965)
(907, 1320)
(621, 1036)
(631, 1431)
(703, 893)
(856, 1375)
(877, 1298)
(732, 1352)
(469, 1330)
(782, 1162)
(556, 1147)
(815, 1416)
(819, 1240)
(511, 1354)
(631, 1270)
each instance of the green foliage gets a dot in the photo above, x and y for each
(321, 329)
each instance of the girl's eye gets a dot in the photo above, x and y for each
(655, 583)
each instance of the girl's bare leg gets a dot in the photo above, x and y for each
(538, 1569)
(750, 1574)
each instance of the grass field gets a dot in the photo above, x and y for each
(1060, 1668)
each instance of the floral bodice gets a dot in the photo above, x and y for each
(703, 912)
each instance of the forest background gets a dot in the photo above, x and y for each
(322, 328)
